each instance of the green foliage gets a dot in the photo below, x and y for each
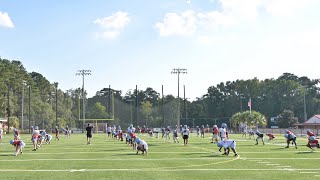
(14, 122)
(252, 119)
(286, 119)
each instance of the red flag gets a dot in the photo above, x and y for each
(249, 103)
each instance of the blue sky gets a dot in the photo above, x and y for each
(138, 42)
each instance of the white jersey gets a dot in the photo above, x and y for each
(185, 132)
(229, 143)
(222, 132)
(144, 144)
(49, 137)
(1, 132)
(35, 133)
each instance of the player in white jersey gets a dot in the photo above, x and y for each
(227, 144)
(141, 146)
(34, 138)
(1, 136)
(222, 133)
(185, 133)
(48, 138)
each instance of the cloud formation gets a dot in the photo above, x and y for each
(229, 13)
(112, 25)
(5, 20)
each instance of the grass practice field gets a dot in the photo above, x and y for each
(107, 158)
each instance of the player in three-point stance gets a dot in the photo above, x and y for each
(290, 137)
(270, 135)
(227, 144)
(19, 146)
(259, 136)
(313, 143)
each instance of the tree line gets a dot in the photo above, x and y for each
(270, 97)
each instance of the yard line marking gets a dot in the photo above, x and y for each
(259, 159)
(155, 169)
(254, 160)
(308, 172)
(272, 164)
(283, 166)
(264, 162)
(116, 159)
(109, 152)
(317, 175)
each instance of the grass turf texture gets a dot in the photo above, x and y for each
(107, 158)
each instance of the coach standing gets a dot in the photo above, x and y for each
(89, 133)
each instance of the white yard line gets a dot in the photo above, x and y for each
(117, 159)
(308, 172)
(146, 169)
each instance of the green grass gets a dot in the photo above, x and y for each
(107, 158)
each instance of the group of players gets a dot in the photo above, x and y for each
(220, 137)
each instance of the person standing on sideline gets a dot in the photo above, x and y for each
(185, 135)
(56, 129)
(89, 133)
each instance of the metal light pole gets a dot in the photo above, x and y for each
(8, 111)
(83, 73)
(29, 109)
(131, 100)
(22, 103)
(304, 104)
(179, 71)
(56, 86)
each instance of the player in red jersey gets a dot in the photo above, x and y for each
(313, 143)
(19, 146)
(309, 133)
(271, 136)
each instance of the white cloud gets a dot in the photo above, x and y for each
(177, 24)
(230, 13)
(285, 7)
(5, 20)
(113, 25)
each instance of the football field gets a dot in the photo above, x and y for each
(106, 158)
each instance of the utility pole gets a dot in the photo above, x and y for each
(185, 107)
(304, 104)
(22, 103)
(83, 73)
(8, 110)
(179, 71)
(162, 110)
(29, 109)
(56, 86)
(131, 100)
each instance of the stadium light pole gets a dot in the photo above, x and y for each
(131, 100)
(83, 73)
(179, 71)
(22, 103)
(304, 104)
(56, 86)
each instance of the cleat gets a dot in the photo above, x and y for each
(236, 155)
(287, 147)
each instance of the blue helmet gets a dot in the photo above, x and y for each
(257, 131)
(137, 140)
(220, 144)
(224, 125)
(286, 130)
(36, 128)
(11, 141)
(312, 138)
(308, 130)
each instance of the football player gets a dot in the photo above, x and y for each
(259, 136)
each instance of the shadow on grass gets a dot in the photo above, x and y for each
(305, 152)
(6, 155)
(212, 156)
(127, 154)
(188, 154)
